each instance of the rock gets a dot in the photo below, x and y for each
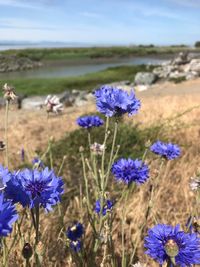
(2, 102)
(181, 59)
(164, 71)
(194, 66)
(192, 75)
(10, 63)
(177, 75)
(35, 102)
(145, 78)
(120, 83)
(141, 88)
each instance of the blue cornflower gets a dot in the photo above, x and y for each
(75, 245)
(107, 206)
(129, 170)
(112, 101)
(37, 162)
(164, 242)
(8, 215)
(167, 150)
(89, 121)
(35, 187)
(4, 177)
(75, 231)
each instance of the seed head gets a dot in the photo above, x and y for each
(9, 93)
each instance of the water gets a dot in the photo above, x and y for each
(63, 69)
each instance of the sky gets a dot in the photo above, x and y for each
(116, 22)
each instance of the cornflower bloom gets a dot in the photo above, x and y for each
(75, 245)
(35, 188)
(166, 150)
(106, 208)
(129, 170)
(8, 215)
(112, 101)
(89, 121)
(75, 231)
(167, 243)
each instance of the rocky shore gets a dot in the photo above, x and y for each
(181, 68)
(10, 63)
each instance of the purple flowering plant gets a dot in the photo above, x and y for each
(108, 181)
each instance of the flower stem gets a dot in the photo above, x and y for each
(86, 181)
(123, 230)
(6, 132)
(27, 263)
(112, 152)
(61, 166)
(37, 221)
(33, 218)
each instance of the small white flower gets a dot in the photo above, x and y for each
(53, 104)
(195, 183)
(9, 93)
(97, 149)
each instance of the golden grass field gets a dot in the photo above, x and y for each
(173, 201)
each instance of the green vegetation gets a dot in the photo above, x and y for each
(94, 52)
(178, 80)
(197, 44)
(131, 139)
(85, 82)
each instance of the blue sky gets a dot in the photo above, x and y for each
(101, 21)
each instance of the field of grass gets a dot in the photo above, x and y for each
(96, 52)
(85, 82)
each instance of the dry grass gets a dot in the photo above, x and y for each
(173, 199)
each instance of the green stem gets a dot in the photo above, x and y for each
(33, 218)
(112, 152)
(50, 154)
(103, 155)
(123, 230)
(89, 138)
(86, 181)
(37, 220)
(27, 263)
(6, 133)
(5, 254)
(61, 166)
(102, 185)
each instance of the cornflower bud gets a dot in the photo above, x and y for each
(27, 251)
(2, 146)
